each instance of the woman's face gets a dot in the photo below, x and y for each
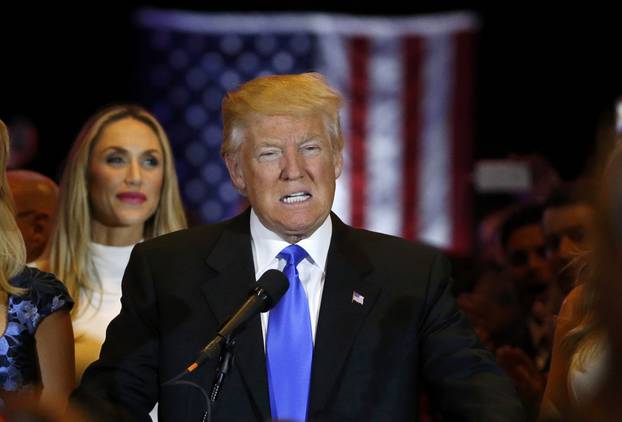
(125, 174)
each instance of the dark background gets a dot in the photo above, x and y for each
(544, 75)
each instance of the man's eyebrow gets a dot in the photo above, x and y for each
(268, 143)
(310, 138)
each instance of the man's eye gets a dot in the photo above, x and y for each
(311, 148)
(268, 155)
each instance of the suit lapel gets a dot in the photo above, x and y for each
(341, 313)
(232, 260)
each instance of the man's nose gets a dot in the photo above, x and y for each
(293, 165)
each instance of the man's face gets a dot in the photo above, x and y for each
(35, 227)
(567, 231)
(526, 255)
(287, 168)
(35, 200)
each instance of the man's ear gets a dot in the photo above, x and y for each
(338, 163)
(232, 160)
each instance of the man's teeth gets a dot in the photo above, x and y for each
(295, 197)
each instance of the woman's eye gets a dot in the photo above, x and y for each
(115, 160)
(152, 162)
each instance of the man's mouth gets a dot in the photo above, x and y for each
(294, 198)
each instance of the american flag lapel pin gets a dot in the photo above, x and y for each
(358, 298)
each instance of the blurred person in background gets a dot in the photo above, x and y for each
(607, 402)
(524, 250)
(568, 224)
(582, 350)
(514, 301)
(35, 197)
(118, 188)
(36, 345)
(488, 298)
(507, 299)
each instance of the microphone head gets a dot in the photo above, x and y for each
(272, 284)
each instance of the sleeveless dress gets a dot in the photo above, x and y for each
(18, 354)
(584, 383)
(92, 319)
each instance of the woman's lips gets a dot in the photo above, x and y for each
(132, 197)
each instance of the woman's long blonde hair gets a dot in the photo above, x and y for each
(68, 250)
(12, 249)
(600, 266)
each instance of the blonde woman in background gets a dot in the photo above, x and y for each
(36, 345)
(118, 188)
(582, 353)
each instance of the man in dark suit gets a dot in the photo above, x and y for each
(376, 324)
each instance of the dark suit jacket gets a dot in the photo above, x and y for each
(370, 360)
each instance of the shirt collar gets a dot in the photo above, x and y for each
(267, 244)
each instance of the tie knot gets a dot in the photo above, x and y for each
(293, 254)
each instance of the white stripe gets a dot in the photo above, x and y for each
(384, 149)
(435, 176)
(333, 64)
(316, 22)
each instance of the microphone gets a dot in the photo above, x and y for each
(270, 288)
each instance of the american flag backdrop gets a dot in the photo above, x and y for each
(408, 87)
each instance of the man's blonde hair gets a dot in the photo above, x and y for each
(289, 95)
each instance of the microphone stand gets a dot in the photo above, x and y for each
(225, 362)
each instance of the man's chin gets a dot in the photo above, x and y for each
(298, 232)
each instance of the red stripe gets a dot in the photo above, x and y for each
(462, 138)
(413, 90)
(358, 54)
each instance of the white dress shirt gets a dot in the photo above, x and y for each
(267, 245)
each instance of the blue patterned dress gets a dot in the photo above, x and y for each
(18, 354)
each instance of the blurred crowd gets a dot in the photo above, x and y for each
(542, 290)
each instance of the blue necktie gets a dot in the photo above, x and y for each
(289, 345)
